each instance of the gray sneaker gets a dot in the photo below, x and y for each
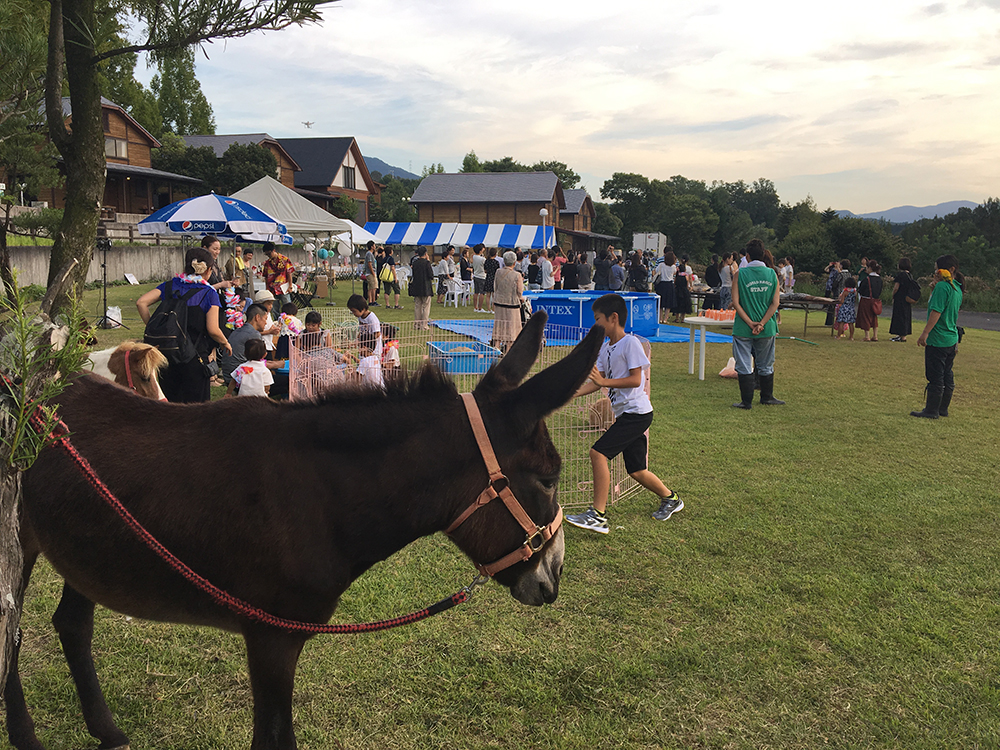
(590, 519)
(668, 507)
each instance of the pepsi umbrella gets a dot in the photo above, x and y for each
(212, 214)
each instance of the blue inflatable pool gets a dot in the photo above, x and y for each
(572, 308)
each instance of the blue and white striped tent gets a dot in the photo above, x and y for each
(411, 233)
(503, 235)
(462, 235)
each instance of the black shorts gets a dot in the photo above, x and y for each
(479, 285)
(628, 437)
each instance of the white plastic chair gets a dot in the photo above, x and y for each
(453, 292)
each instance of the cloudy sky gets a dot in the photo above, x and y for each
(862, 105)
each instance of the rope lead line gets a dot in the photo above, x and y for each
(229, 601)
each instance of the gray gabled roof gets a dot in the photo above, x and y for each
(575, 199)
(320, 158)
(490, 187)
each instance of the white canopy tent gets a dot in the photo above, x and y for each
(301, 217)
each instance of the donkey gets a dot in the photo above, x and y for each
(134, 365)
(289, 544)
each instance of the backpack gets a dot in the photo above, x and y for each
(912, 293)
(167, 328)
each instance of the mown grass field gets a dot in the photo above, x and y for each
(831, 582)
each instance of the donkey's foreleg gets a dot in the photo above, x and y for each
(272, 656)
(74, 621)
(20, 727)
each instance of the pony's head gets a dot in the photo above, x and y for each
(136, 365)
(513, 413)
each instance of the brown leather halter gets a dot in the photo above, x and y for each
(536, 536)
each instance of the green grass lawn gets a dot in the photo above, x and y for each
(831, 581)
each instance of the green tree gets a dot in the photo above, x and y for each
(27, 159)
(177, 157)
(183, 107)
(432, 169)
(344, 207)
(506, 164)
(74, 60)
(628, 193)
(860, 238)
(690, 223)
(116, 75)
(471, 163)
(605, 222)
(243, 165)
(567, 176)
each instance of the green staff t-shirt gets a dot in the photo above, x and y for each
(945, 299)
(756, 284)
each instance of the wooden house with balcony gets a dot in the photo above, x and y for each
(132, 186)
(331, 168)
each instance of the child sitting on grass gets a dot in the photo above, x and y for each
(252, 378)
(619, 368)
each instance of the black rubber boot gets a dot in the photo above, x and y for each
(945, 402)
(932, 409)
(767, 391)
(746, 392)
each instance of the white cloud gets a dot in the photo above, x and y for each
(732, 90)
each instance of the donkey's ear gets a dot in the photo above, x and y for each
(520, 356)
(556, 384)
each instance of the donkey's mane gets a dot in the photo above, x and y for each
(427, 382)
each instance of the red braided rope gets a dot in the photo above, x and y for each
(229, 601)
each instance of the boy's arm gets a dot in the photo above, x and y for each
(231, 389)
(634, 379)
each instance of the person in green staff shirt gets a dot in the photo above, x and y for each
(940, 338)
(756, 295)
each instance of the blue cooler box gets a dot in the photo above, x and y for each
(462, 357)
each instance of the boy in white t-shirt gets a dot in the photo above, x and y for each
(370, 364)
(619, 368)
(252, 377)
(367, 320)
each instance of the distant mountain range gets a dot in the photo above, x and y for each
(907, 214)
(377, 165)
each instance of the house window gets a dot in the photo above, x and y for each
(115, 148)
(349, 178)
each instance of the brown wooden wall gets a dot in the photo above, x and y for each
(487, 213)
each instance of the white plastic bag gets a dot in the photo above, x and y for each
(114, 317)
(729, 371)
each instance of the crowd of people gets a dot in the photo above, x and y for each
(237, 340)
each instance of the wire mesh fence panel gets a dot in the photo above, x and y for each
(464, 350)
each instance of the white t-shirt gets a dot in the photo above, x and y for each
(548, 280)
(371, 323)
(370, 369)
(615, 361)
(478, 266)
(252, 377)
(665, 271)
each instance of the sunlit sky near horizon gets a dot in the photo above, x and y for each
(862, 105)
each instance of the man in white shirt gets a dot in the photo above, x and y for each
(548, 280)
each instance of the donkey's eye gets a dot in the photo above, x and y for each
(549, 483)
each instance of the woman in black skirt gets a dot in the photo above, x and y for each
(902, 311)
